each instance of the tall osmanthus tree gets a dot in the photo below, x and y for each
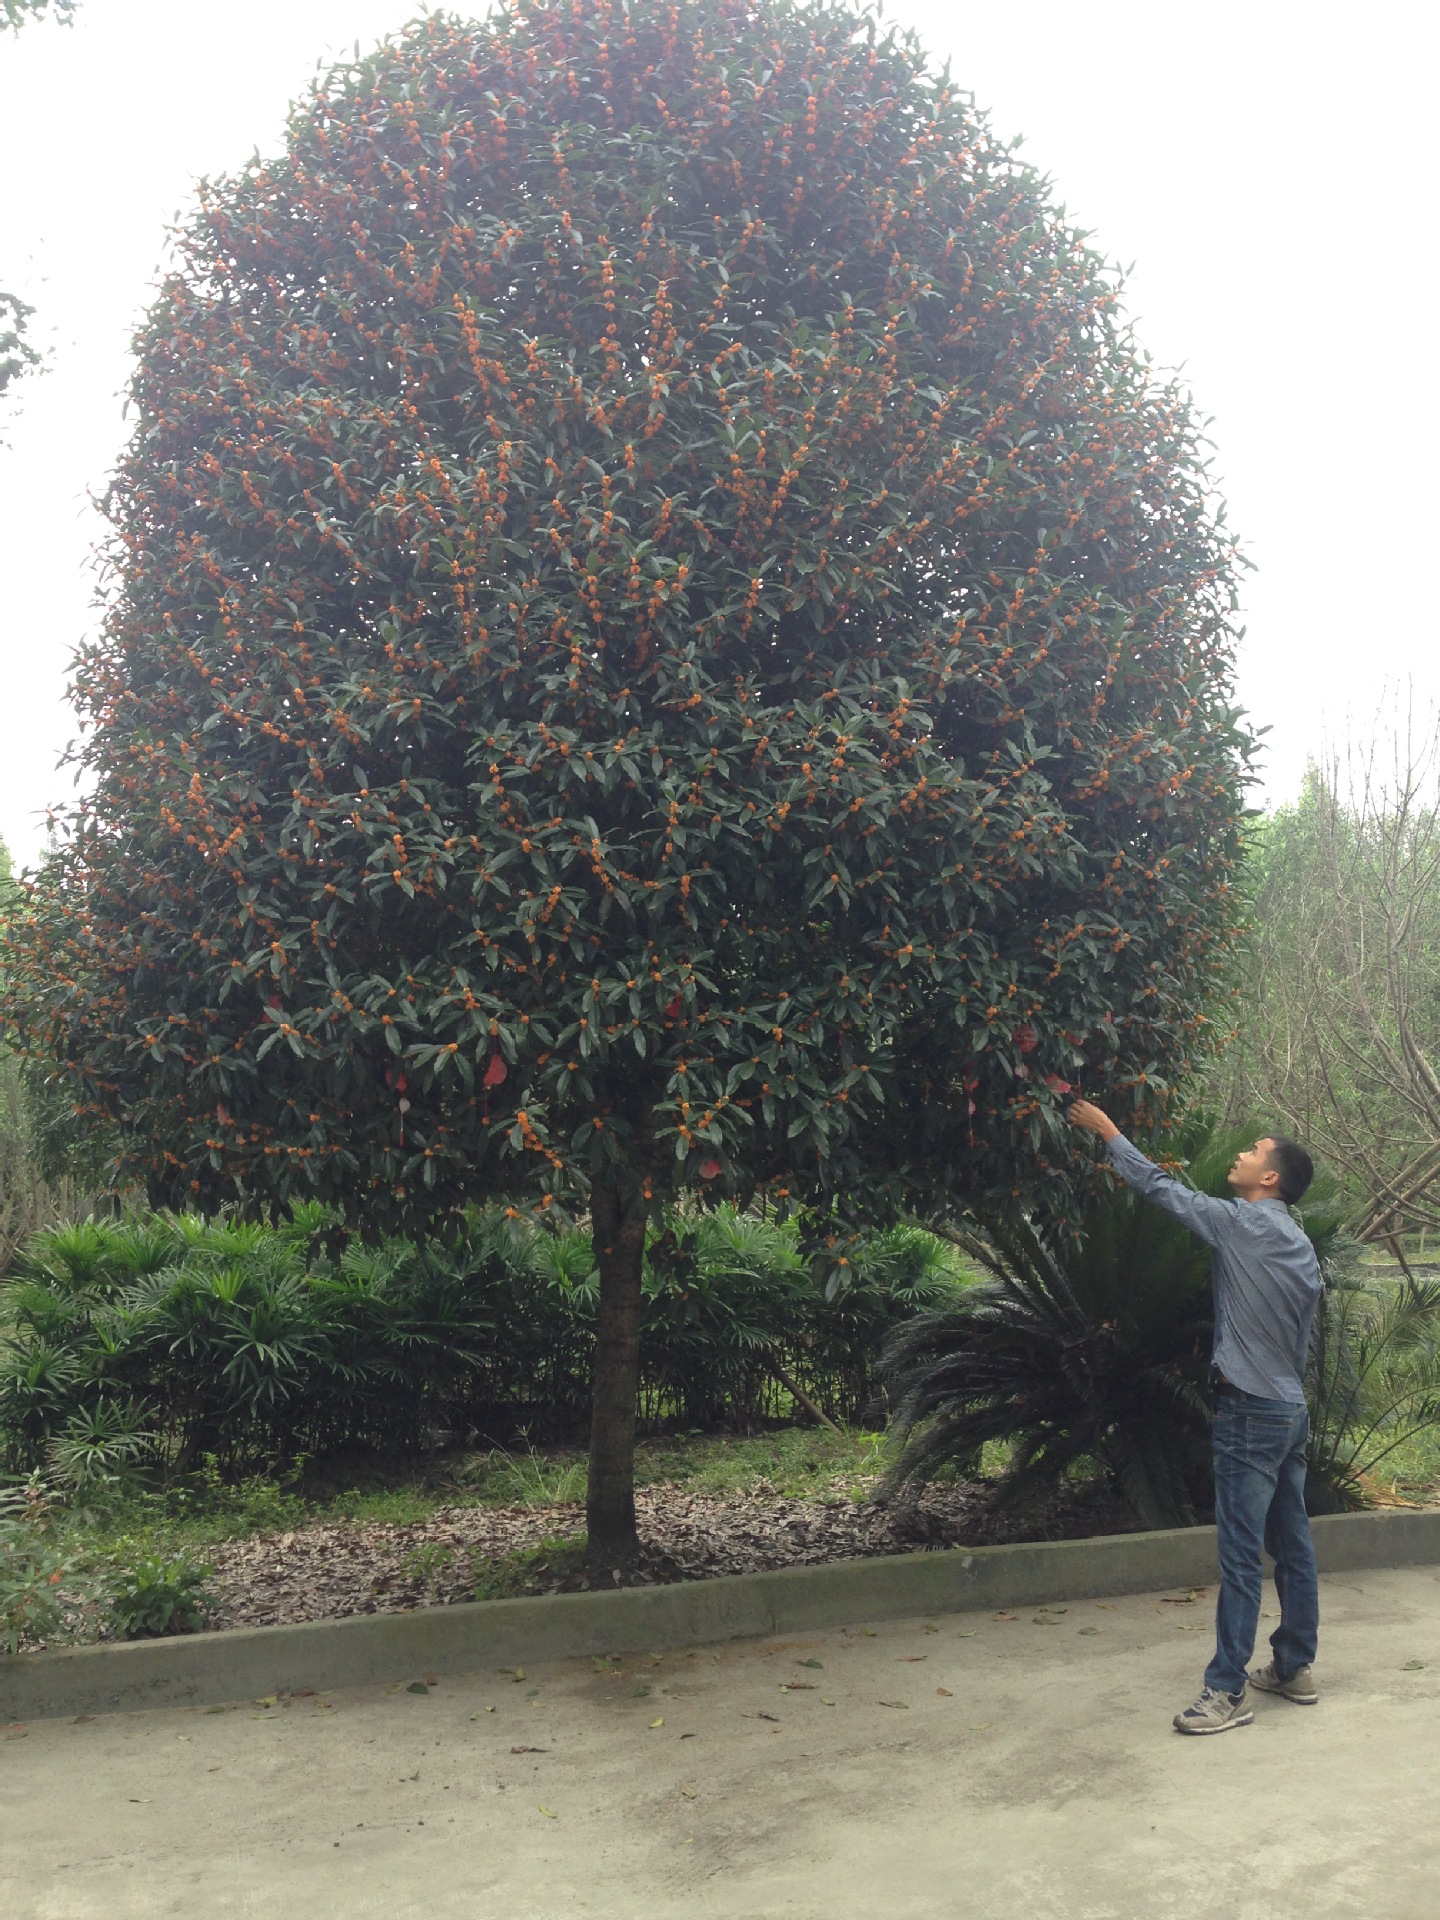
(664, 638)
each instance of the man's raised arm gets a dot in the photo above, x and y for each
(1203, 1215)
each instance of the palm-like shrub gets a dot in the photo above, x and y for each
(177, 1338)
(219, 1338)
(1095, 1348)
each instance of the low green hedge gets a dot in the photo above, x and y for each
(170, 1338)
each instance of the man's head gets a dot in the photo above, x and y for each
(1275, 1168)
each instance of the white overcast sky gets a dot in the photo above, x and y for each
(1267, 171)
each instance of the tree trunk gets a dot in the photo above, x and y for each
(618, 1227)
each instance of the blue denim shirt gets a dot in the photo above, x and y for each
(1263, 1269)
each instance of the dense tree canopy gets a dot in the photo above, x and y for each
(663, 634)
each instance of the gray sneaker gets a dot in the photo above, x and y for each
(1300, 1687)
(1215, 1713)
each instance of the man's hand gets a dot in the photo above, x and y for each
(1084, 1114)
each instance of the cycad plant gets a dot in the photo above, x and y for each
(1092, 1346)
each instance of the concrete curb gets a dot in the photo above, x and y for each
(250, 1662)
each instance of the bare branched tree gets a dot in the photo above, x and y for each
(1342, 1039)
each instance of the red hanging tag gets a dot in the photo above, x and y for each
(495, 1072)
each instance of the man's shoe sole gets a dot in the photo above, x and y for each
(1279, 1693)
(1240, 1720)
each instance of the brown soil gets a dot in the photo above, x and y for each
(327, 1572)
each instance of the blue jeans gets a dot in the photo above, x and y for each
(1260, 1502)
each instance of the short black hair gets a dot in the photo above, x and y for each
(1293, 1164)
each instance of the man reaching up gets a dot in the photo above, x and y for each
(1267, 1286)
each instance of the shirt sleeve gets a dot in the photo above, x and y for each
(1200, 1212)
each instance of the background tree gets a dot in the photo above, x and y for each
(49, 1170)
(664, 636)
(16, 353)
(1344, 975)
(15, 13)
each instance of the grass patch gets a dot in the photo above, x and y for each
(119, 1524)
(531, 1569)
(1412, 1471)
(802, 1463)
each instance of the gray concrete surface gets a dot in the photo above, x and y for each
(211, 1668)
(1024, 1770)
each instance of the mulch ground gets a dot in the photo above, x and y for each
(328, 1572)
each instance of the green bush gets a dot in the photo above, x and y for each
(218, 1348)
(32, 1570)
(159, 1594)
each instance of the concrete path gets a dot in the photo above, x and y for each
(968, 1765)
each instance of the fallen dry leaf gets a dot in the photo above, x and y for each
(529, 1749)
(896, 1703)
(945, 1693)
(657, 1723)
(548, 1812)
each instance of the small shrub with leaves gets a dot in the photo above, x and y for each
(98, 1443)
(32, 1570)
(160, 1594)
